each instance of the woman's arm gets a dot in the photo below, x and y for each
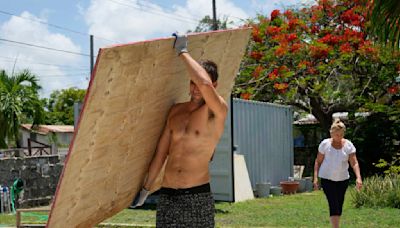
(356, 168)
(317, 164)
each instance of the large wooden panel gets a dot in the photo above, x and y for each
(125, 109)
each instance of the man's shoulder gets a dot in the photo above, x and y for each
(176, 107)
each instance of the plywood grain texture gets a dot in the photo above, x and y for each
(130, 93)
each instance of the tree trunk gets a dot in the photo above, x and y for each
(325, 119)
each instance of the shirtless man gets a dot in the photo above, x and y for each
(192, 132)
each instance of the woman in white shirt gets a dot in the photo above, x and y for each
(331, 165)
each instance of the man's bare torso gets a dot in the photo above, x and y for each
(195, 133)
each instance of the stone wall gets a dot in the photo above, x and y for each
(40, 176)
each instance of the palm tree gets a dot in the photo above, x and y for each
(385, 21)
(19, 101)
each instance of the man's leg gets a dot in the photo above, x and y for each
(165, 211)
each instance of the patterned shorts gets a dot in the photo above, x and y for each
(192, 207)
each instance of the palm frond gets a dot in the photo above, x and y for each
(385, 21)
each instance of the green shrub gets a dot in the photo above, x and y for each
(378, 192)
(392, 167)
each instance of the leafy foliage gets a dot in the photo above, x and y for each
(206, 24)
(319, 59)
(60, 106)
(392, 167)
(385, 19)
(19, 103)
(378, 192)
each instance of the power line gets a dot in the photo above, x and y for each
(43, 47)
(163, 14)
(57, 26)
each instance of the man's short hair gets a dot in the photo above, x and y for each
(211, 68)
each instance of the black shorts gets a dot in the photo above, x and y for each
(190, 207)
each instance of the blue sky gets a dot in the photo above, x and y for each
(36, 22)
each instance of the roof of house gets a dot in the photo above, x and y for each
(45, 129)
(310, 119)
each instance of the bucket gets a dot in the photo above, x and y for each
(276, 190)
(302, 185)
(263, 189)
(309, 184)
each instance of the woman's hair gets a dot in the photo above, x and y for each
(338, 125)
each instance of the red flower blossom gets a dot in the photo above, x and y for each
(312, 71)
(352, 18)
(257, 55)
(296, 47)
(367, 49)
(304, 64)
(283, 69)
(346, 48)
(275, 14)
(319, 52)
(273, 75)
(245, 96)
(281, 39)
(329, 39)
(256, 35)
(273, 30)
(280, 51)
(393, 89)
(293, 24)
(314, 29)
(281, 87)
(257, 71)
(288, 14)
(290, 37)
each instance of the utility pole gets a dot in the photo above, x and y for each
(215, 24)
(91, 55)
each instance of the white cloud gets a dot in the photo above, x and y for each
(134, 20)
(266, 7)
(40, 61)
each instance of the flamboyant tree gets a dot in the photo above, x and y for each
(319, 59)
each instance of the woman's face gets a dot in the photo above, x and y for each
(337, 135)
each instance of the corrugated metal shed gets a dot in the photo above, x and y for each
(264, 134)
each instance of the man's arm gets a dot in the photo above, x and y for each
(159, 157)
(155, 166)
(200, 77)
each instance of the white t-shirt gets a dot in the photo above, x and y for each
(336, 161)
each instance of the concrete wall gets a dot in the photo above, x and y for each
(40, 176)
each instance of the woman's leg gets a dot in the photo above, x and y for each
(331, 193)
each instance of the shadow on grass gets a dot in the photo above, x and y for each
(151, 207)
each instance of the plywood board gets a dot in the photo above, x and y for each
(130, 93)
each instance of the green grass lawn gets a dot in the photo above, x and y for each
(300, 210)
